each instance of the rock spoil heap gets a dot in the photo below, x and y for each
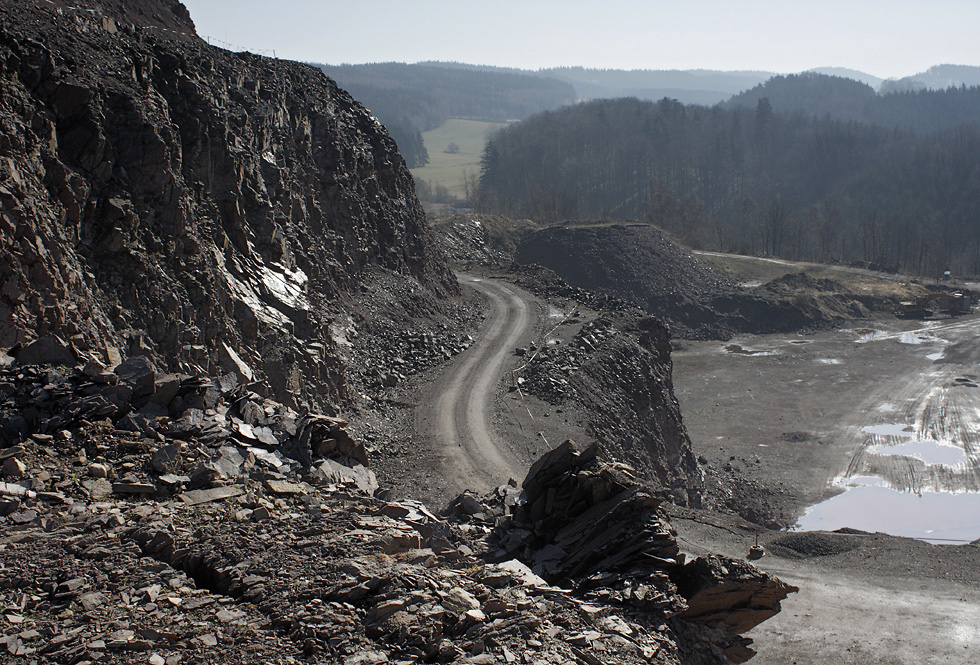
(640, 264)
(617, 369)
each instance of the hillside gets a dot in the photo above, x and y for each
(939, 77)
(919, 109)
(751, 181)
(810, 93)
(412, 99)
(207, 209)
(704, 87)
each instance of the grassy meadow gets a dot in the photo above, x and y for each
(449, 170)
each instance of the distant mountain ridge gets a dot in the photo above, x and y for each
(844, 72)
(410, 99)
(691, 86)
(940, 77)
(819, 95)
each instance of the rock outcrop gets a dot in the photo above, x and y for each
(617, 369)
(587, 525)
(213, 211)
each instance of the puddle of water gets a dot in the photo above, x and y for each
(555, 313)
(863, 481)
(930, 516)
(928, 452)
(889, 429)
(828, 361)
(800, 341)
(935, 356)
(742, 351)
(868, 335)
(910, 338)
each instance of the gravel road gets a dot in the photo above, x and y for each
(458, 409)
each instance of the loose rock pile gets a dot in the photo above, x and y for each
(134, 431)
(586, 524)
(617, 368)
(233, 529)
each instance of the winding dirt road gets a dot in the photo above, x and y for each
(458, 411)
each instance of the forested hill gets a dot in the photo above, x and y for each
(410, 99)
(690, 86)
(820, 95)
(939, 77)
(696, 86)
(749, 180)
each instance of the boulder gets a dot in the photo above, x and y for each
(139, 374)
(48, 350)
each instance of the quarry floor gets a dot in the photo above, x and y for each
(879, 405)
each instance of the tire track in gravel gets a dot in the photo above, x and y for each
(458, 412)
(934, 404)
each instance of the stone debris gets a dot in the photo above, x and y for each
(584, 524)
(188, 543)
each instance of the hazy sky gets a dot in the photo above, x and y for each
(886, 38)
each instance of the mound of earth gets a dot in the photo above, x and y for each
(639, 263)
(810, 544)
(479, 239)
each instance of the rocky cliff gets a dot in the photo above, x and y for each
(211, 210)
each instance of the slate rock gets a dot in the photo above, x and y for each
(48, 350)
(139, 374)
(195, 497)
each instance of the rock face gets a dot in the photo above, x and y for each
(207, 209)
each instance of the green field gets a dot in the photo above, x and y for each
(449, 170)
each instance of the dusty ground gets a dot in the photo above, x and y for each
(795, 412)
(789, 413)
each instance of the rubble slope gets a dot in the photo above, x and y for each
(207, 539)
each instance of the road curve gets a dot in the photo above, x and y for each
(460, 407)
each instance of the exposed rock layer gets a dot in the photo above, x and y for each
(209, 209)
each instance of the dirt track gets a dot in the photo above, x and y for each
(458, 411)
